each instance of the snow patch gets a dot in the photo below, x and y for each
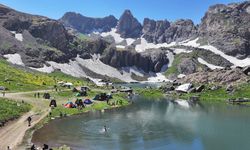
(181, 76)
(45, 69)
(144, 45)
(211, 66)
(170, 56)
(18, 36)
(117, 37)
(158, 77)
(99, 67)
(14, 59)
(248, 9)
(72, 68)
(134, 70)
(120, 46)
(233, 60)
(178, 51)
(192, 43)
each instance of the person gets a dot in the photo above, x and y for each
(29, 121)
(38, 95)
(35, 95)
(105, 128)
(33, 147)
(3, 93)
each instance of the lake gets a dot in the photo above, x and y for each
(153, 125)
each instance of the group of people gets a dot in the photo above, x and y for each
(37, 95)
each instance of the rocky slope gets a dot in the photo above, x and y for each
(224, 77)
(163, 31)
(183, 46)
(39, 39)
(150, 61)
(228, 28)
(88, 25)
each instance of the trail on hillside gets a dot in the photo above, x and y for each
(12, 134)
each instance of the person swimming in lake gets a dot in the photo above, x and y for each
(105, 128)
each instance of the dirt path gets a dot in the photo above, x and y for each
(12, 134)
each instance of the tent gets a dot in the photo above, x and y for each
(97, 97)
(46, 96)
(69, 105)
(87, 101)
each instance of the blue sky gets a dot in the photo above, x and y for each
(155, 9)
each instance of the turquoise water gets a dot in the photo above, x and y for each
(153, 125)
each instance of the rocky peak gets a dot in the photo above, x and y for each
(227, 28)
(181, 30)
(163, 31)
(87, 24)
(128, 26)
(153, 30)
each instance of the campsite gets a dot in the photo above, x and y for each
(124, 75)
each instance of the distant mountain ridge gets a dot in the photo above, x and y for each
(88, 25)
(124, 48)
(224, 26)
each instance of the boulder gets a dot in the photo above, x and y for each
(184, 87)
(200, 88)
(192, 90)
(246, 70)
(230, 88)
(215, 87)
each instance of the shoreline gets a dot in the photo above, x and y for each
(27, 139)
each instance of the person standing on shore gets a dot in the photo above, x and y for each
(3, 93)
(29, 121)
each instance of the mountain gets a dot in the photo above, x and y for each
(128, 26)
(163, 31)
(228, 28)
(86, 24)
(125, 49)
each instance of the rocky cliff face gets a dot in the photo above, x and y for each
(152, 60)
(86, 24)
(153, 31)
(128, 26)
(228, 28)
(166, 32)
(42, 39)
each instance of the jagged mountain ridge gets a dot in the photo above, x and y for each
(224, 26)
(129, 44)
(88, 25)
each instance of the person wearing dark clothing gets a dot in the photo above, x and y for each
(38, 95)
(35, 95)
(45, 147)
(29, 121)
(105, 128)
(33, 147)
(3, 93)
